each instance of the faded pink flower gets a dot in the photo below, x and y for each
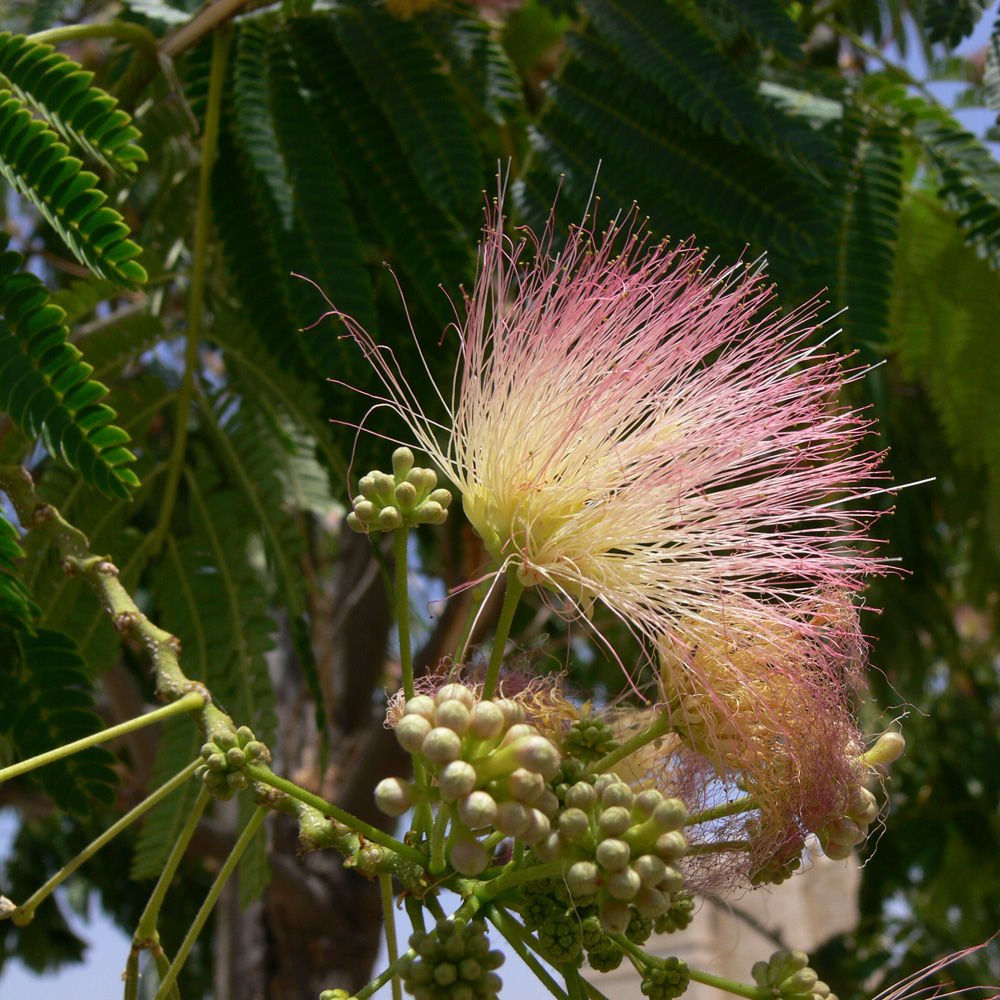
(633, 426)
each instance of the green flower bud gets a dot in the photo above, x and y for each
(650, 869)
(441, 745)
(538, 828)
(615, 916)
(236, 757)
(477, 810)
(889, 747)
(420, 704)
(603, 781)
(672, 881)
(679, 915)
(612, 855)
(651, 902)
(468, 857)
(441, 497)
(226, 740)
(244, 735)
(552, 848)
(583, 878)
(402, 462)
(845, 831)
(405, 496)
(430, 512)
(799, 982)
(393, 796)
(547, 803)
(863, 806)
(486, 721)
(517, 731)
(624, 884)
(513, 713)
(671, 846)
(512, 818)
(670, 814)
(619, 795)
(525, 786)
(646, 802)
(452, 714)
(236, 780)
(411, 732)
(574, 824)
(455, 692)
(456, 780)
(445, 974)
(615, 821)
(389, 519)
(216, 762)
(254, 750)
(835, 851)
(581, 796)
(639, 928)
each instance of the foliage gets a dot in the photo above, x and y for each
(343, 138)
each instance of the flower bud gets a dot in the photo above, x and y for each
(845, 831)
(477, 810)
(538, 828)
(618, 794)
(513, 713)
(835, 851)
(583, 878)
(537, 754)
(517, 731)
(650, 869)
(604, 781)
(547, 803)
(411, 732)
(393, 796)
(646, 802)
(888, 747)
(670, 814)
(800, 982)
(524, 786)
(615, 916)
(430, 512)
(615, 821)
(623, 884)
(581, 796)
(672, 881)
(456, 780)
(216, 762)
(420, 704)
(235, 757)
(441, 497)
(651, 902)
(405, 496)
(442, 746)
(468, 857)
(455, 692)
(486, 720)
(452, 714)
(254, 750)
(389, 519)
(863, 806)
(512, 818)
(365, 511)
(574, 824)
(671, 846)
(612, 855)
(552, 848)
(402, 462)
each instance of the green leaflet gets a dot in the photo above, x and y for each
(37, 164)
(46, 387)
(767, 22)
(16, 605)
(47, 702)
(61, 91)
(950, 21)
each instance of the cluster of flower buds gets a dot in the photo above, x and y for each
(786, 974)
(677, 918)
(225, 758)
(486, 763)
(452, 962)
(666, 979)
(589, 740)
(839, 837)
(622, 848)
(407, 497)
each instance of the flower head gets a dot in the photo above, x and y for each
(632, 426)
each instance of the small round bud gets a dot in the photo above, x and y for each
(651, 902)
(420, 704)
(671, 846)
(548, 803)
(405, 495)
(456, 692)
(254, 750)
(800, 982)
(670, 814)
(216, 762)
(604, 781)
(889, 747)
(615, 916)
(646, 802)
(650, 869)
(389, 519)
(512, 818)
(552, 848)
(624, 884)
(411, 732)
(236, 780)
(456, 780)
(672, 881)
(525, 786)
(477, 810)
(225, 739)
(612, 855)
(468, 857)
(441, 497)
(383, 485)
(518, 731)
(393, 796)
(843, 830)
(446, 973)
(513, 713)
(538, 828)
(442, 746)
(402, 462)
(581, 796)
(574, 824)
(835, 851)
(207, 749)
(614, 821)
(430, 512)
(452, 714)
(617, 795)
(486, 720)
(537, 754)
(244, 735)
(583, 878)
(863, 806)
(236, 757)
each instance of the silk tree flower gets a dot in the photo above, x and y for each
(630, 425)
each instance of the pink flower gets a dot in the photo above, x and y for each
(633, 426)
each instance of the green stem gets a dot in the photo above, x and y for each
(731, 986)
(400, 540)
(199, 268)
(494, 887)
(510, 600)
(513, 933)
(718, 847)
(392, 945)
(146, 929)
(167, 983)
(372, 833)
(631, 948)
(23, 914)
(135, 34)
(734, 808)
(416, 912)
(162, 964)
(438, 840)
(434, 905)
(189, 703)
(660, 726)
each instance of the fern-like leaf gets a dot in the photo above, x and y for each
(400, 71)
(46, 387)
(950, 21)
(47, 703)
(62, 92)
(767, 22)
(38, 165)
(16, 605)
(991, 72)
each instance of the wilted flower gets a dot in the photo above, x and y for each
(630, 425)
